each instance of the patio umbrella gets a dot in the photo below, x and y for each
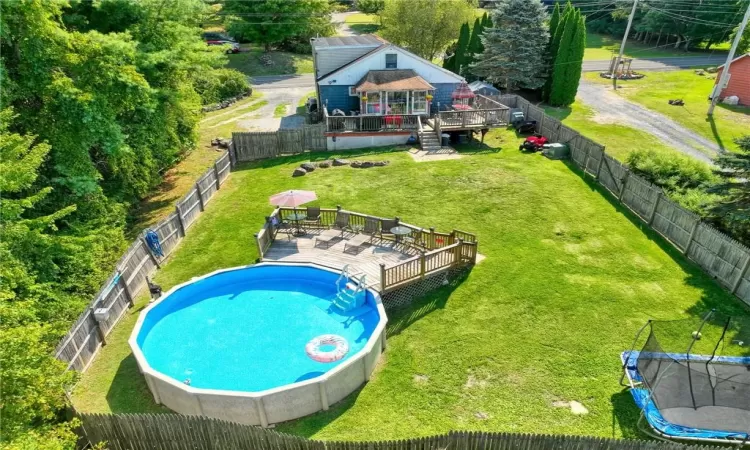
(292, 198)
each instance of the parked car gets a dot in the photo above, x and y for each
(233, 46)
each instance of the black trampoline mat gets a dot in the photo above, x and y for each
(718, 418)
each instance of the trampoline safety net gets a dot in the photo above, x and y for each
(698, 371)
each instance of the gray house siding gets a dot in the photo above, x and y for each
(338, 97)
(329, 59)
(442, 96)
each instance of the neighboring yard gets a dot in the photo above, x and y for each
(363, 23)
(181, 178)
(602, 47)
(618, 139)
(569, 278)
(249, 62)
(657, 88)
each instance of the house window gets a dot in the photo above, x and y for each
(391, 60)
(419, 102)
(353, 91)
(372, 105)
(397, 102)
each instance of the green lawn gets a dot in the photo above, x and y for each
(619, 140)
(249, 62)
(363, 23)
(280, 110)
(657, 88)
(602, 47)
(569, 277)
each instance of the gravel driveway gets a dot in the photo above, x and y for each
(614, 108)
(279, 90)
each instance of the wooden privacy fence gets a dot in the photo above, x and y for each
(139, 262)
(438, 251)
(176, 432)
(250, 146)
(720, 256)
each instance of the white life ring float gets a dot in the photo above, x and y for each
(340, 348)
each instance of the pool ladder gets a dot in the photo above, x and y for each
(351, 286)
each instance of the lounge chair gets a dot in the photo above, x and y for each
(357, 243)
(342, 222)
(327, 238)
(313, 216)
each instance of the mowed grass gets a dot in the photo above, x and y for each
(656, 89)
(618, 140)
(363, 23)
(569, 277)
(249, 62)
(603, 47)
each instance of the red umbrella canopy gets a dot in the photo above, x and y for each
(463, 91)
(292, 198)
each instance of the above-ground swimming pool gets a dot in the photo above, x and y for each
(232, 344)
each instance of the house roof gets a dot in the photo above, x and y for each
(735, 60)
(365, 40)
(393, 80)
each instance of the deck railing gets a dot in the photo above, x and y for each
(472, 118)
(365, 123)
(438, 251)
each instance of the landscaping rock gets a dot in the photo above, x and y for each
(309, 167)
(356, 164)
(299, 172)
(700, 72)
(324, 164)
(712, 69)
(367, 164)
(381, 163)
(340, 162)
(223, 143)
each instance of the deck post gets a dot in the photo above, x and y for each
(432, 238)
(422, 264)
(382, 277)
(458, 249)
(260, 247)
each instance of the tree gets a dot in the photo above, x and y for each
(568, 62)
(424, 27)
(733, 211)
(370, 6)
(744, 44)
(462, 49)
(270, 22)
(475, 47)
(515, 45)
(552, 47)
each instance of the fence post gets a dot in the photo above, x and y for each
(200, 197)
(126, 290)
(653, 209)
(742, 275)
(150, 253)
(422, 264)
(692, 236)
(541, 124)
(99, 328)
(179, 219)
(216, 174)
(232, 154)
(599, 167)
(586, 160)
(624, 185)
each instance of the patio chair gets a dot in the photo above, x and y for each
(313, 216)
(282, 226)
(358, 243)
(385, 228)
(342, 222)
(413, 240)
(327, 238)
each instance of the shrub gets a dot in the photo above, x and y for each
(672, 172)
(370, 6)
(219, 84)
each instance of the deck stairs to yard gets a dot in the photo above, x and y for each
(429, 140)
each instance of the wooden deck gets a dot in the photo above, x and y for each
(302, 249)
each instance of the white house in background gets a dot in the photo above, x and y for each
(375, 93)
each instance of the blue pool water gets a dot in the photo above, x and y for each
(246, 329)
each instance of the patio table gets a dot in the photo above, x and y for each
(297, 218)
(400, 232)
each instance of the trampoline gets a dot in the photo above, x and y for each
(691, 379)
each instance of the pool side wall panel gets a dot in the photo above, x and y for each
(279, 404)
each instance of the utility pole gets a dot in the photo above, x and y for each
(725, 73)
(622, 46)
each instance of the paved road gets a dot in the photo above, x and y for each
(276, 82)
(613, 107)
(668, 63)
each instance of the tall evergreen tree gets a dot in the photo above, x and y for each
(733, 212)
(462, 49)
(512, 46)
(486, 21)
(566, 71)
(554, 21)
(475, 45)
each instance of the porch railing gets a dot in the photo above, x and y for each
(438, 251)
(365, 123)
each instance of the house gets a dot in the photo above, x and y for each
(373, 93)
(484, 88)
(739, 79)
